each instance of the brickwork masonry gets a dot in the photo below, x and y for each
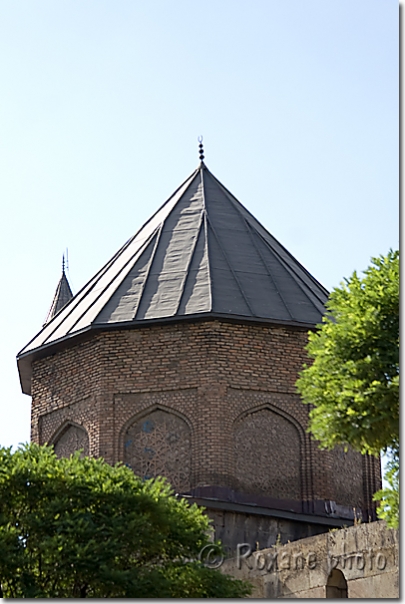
(225, 381)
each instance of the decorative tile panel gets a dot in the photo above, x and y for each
(159, 444)
(72, 439)
(267, 455)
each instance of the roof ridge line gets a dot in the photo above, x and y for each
(89, 286)
(156, 234)
(291, 270)
(190, 178)
(230, 267)
(206, 247)
(234, 199)
(138, 253)
(189, 263)
(79, 296)
(249, 229)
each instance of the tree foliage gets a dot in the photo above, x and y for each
(78, 527)
(389, 496)
(353, 382)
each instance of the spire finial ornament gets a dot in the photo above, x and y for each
(63, 263)
(201, 148)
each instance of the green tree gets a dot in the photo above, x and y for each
(353, 382)
(78, 527)
(389, 496)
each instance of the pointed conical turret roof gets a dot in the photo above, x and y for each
(63, 295)
(201, 255)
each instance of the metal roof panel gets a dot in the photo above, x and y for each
(202, 252)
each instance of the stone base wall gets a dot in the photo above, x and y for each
(233, 528)
(363, 560)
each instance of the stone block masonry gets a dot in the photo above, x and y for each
(356, 562)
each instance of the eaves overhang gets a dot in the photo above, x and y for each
(245, 508)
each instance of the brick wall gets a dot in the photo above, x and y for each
(224, 380)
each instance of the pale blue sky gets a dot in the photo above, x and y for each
(102, 103)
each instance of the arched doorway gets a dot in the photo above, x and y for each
(336, 587)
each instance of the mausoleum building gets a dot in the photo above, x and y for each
(179, 358)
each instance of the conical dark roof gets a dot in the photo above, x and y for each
(201, 255)
(63, 295)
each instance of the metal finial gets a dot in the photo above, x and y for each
(201, 148)
(63, 263)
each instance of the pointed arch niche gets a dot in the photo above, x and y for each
(70, 438)
(158, 443)
(268, 453)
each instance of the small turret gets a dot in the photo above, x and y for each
(62, 295)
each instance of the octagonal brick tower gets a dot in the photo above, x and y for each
(179, 358)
